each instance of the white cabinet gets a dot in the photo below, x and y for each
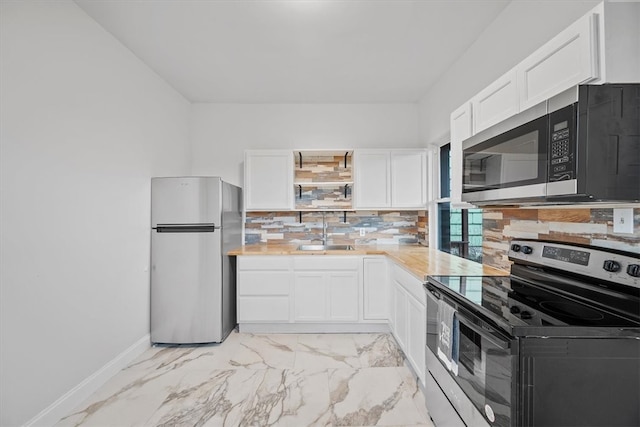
(566, 60)
(461, 122)
(310, 296)
(376, 288)
(409, 314)
(400, 314)
(409, 179)
(496, 102)
(371, 183)
(263, 288)
(394, 179)
(268, 180)
(326, 289)
(416, 334)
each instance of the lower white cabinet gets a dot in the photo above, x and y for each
(376, 288)
(263, 289)
(409, 314)
(325, 292)
(416, 334)
(321, 296)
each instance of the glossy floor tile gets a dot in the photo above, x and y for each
(290, 380)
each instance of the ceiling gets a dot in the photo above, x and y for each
(297, 51)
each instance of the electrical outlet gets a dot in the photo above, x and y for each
(362, 232)
(623, 220)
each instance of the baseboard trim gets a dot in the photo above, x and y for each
(316, 328)
(71, 399)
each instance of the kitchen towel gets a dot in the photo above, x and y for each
(448, 333)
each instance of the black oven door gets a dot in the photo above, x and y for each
(483, 365)
(511, 165)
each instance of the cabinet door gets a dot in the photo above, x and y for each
(566, 60)
(371, 182)
(461, 129)
(400, 312)
(376, 289)
(409, 179)
(416, 335)
(343, 296)
(310, 296)
(496, 102)
(268, 180)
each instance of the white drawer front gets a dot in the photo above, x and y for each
(264, 283)
(263, 309)
(264, 262)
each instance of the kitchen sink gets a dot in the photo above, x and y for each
(325, 248)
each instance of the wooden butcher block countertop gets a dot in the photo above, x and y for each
(419, 260)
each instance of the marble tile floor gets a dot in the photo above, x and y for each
(290, 380)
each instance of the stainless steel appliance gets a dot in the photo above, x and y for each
(195, 222)
(556, 343)
(581, 151)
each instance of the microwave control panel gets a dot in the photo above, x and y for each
(562, 145)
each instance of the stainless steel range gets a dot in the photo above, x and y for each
(556, 343)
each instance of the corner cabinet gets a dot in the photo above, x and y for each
(268, 180)
(395, 179)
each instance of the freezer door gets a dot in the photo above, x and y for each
(186, 287)
(185, 200)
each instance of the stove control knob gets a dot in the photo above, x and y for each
(526, 315)
(515, 247)
(514, 309)
(633, 270)
(527, 250)
(612, 266)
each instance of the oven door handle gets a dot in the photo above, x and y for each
(487, 333)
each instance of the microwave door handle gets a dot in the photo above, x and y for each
(489, 335)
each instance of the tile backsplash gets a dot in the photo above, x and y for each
(589, 226)
(380, 227)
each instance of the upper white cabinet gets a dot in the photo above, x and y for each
(461, 129)
(496, 102)
(568, 59)
(372, 187)
(601, 47)
(268, 180)
(408, 179)
(394, 179)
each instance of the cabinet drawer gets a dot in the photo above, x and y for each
(263, 309)
(264, 262)
(323, 262)
(409, 282)
(264, 283)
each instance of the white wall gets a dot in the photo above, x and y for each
(221, 132)
(521, 28)
(85, 124)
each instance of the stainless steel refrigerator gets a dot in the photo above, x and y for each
(195, 222)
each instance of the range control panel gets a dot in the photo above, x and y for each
(594, 262)
(562, 144)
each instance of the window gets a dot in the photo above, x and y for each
(460, 230)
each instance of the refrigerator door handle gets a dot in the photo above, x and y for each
(200, 228)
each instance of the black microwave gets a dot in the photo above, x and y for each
(586, 151)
